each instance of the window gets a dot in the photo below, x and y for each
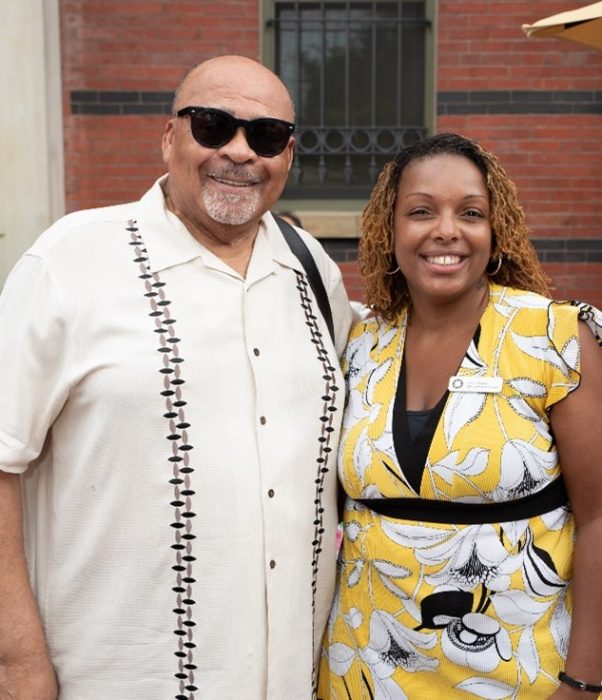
(357, 72)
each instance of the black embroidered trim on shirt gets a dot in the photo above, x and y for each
(326, 419)
(179, 461)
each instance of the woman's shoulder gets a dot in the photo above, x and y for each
(375, 327)
(530, 312)
(543, 330)
(373, 337)
(549, 316)
(517, 299)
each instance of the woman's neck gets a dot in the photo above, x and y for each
(439, 315)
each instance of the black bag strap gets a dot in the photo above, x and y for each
(300, 249)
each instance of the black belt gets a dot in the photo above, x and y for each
(429, 510)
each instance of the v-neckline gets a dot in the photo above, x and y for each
(412, 454)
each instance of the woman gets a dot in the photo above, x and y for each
(473, 409)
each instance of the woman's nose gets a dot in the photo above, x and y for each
(447, 226)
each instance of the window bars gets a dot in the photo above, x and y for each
(356, 72)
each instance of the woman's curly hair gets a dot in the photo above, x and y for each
(386, 291)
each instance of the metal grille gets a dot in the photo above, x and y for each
(356, 71)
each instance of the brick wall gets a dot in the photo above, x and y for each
(121, 61)
(537, 103)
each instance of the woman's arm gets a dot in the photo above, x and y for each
(577, 426)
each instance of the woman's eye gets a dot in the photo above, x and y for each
(473, 213)
(420, 211)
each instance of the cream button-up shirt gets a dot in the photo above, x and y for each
(176, 426)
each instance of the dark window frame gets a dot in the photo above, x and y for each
(333, 152)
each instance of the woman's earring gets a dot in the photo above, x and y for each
(393, 272)
(493, 273)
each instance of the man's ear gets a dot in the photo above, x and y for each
(167, 140)
(290, 152)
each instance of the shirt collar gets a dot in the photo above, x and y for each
(169, 243)
(281, 252)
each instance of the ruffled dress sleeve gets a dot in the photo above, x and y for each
(563, 334)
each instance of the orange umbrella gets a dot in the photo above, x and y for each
(583, 25)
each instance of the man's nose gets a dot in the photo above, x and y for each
(238, 149)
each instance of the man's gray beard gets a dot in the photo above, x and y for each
(232, 209)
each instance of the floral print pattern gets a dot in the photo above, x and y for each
(476, 610)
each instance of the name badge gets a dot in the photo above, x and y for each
(480, 385)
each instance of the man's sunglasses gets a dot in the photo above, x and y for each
(214, 128)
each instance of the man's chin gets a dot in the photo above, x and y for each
(232, 209)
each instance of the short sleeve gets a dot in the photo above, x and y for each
(564, 363)
(33, 367)
(341, 311)
(355, 341)
(363, 341)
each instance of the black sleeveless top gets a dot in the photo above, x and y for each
(413, 431)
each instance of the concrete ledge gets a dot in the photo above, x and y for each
(331, 224)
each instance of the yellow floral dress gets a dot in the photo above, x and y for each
(468, 609)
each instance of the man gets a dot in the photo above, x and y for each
(171, 400)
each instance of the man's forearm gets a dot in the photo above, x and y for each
(25, 668)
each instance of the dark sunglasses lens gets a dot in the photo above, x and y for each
(268, 137)
(212, 129)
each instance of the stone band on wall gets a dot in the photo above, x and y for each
(101, 102)
(451, 102)
(549, 250)
(519, 102)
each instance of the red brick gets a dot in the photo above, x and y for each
(555, 160)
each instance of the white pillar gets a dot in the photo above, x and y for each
(31, 132)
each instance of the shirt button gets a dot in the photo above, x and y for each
(272, 564)
(263, 420)
(256, 352)
(271, 493)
